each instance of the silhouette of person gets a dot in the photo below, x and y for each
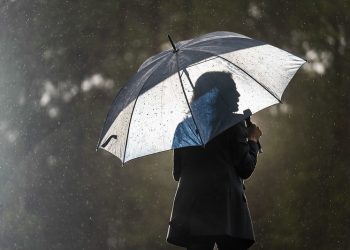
(210, 205)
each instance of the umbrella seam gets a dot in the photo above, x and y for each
(155, 60)
(188, 104)
(188, 43)
(132, 111)
(262, 85)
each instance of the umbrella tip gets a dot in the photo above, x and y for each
(172, 44)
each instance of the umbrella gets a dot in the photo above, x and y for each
(187, 95)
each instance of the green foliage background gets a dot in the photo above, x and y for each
(56, 192)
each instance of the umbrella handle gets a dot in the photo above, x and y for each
(249, 122)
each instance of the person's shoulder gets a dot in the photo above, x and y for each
(239, 129)
(239, 125)
(185, 134)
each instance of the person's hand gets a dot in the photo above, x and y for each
(254, 133)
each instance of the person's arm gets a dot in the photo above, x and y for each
(245, 151)
(177, 164)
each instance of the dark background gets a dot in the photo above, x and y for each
(62, 63)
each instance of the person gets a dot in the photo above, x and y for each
(210, 205)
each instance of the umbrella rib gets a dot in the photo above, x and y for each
(188, 104)
(155, 60)
(262, 85)
(132, 111)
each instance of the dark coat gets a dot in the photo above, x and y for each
(210, 198)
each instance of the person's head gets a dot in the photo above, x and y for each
(221, 87)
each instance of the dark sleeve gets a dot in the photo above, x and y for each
(177, 164)
(244, 151)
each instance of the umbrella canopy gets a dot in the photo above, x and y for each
(187, 95)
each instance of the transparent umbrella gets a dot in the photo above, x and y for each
(187, 95)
